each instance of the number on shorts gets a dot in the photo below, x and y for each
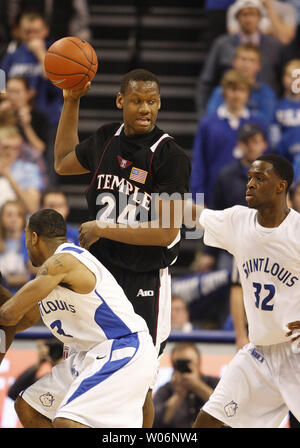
(57, 324)
(265, 305)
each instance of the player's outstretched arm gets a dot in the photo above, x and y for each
(65, 160)
(50, 274)
(158, 232)
(161, 232)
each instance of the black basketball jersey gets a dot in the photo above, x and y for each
(126, 171)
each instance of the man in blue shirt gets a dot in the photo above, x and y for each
(222, 51)
(27, 61)
(286, 125)
(19, 179)
(262, 98)
(216, 136)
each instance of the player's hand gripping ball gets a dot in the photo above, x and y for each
(70, 63)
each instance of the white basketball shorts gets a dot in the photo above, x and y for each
(258, 387)
(102, 388)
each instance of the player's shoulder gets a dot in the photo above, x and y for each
(107, 130)
(294, 218)
(58, 263)
(167, 145)
(240, 213)
(243, 210)
(235, 213)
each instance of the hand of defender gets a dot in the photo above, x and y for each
(76, 94)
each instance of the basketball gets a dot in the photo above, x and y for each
(70, 63)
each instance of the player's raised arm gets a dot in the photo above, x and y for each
(65, 160)
(50, 274)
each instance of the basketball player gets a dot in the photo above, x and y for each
(129, 162)
(6, 334)
(103, 383)
(262, 381)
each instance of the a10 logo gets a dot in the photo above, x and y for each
(2, 341)
(2, 81)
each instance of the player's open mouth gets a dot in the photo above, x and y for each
(143, 121)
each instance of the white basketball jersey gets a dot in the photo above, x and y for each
(268, 261)
(84, 320)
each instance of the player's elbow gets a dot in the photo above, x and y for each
(8, 318)
(168, 236)
(58, 168)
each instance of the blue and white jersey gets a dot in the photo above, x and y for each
(85, 320)
(268, 261)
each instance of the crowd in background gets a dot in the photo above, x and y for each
(247, 100)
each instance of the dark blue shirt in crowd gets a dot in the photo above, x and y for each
(213, 149)
(22, 62)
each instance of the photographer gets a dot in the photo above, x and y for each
(51, 351)
(178, 401)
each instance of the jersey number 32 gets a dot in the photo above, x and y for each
(263, 296)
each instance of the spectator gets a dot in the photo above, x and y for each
(262, 99)
(221, 54)
(285, 132)
(230, 185)
(4, 28)
(28, 61)
(279, 19)
(57, 200)
(12, 260)
(19, 179)
(49, 351)
(216, 136)
(216, 14)
(297, 170)
(180, 318)
(295, 196)
(67, 18)
(31, 122)
(178, 401)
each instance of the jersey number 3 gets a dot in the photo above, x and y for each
(264, 304)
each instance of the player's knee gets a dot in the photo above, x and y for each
(61, 422)
(205, 420)
(24, 411)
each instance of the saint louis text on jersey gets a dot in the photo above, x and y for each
(268, 266)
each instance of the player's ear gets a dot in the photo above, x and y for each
(34, 238)
(282, 186)
(119, 100)
(159, 103)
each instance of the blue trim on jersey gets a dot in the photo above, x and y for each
(74, 249)
(109, 322)
(110, 367)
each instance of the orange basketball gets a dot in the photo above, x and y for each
(70, 63)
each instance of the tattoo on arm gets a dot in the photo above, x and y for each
(54, 263)
(44, 269)
(57, 263)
